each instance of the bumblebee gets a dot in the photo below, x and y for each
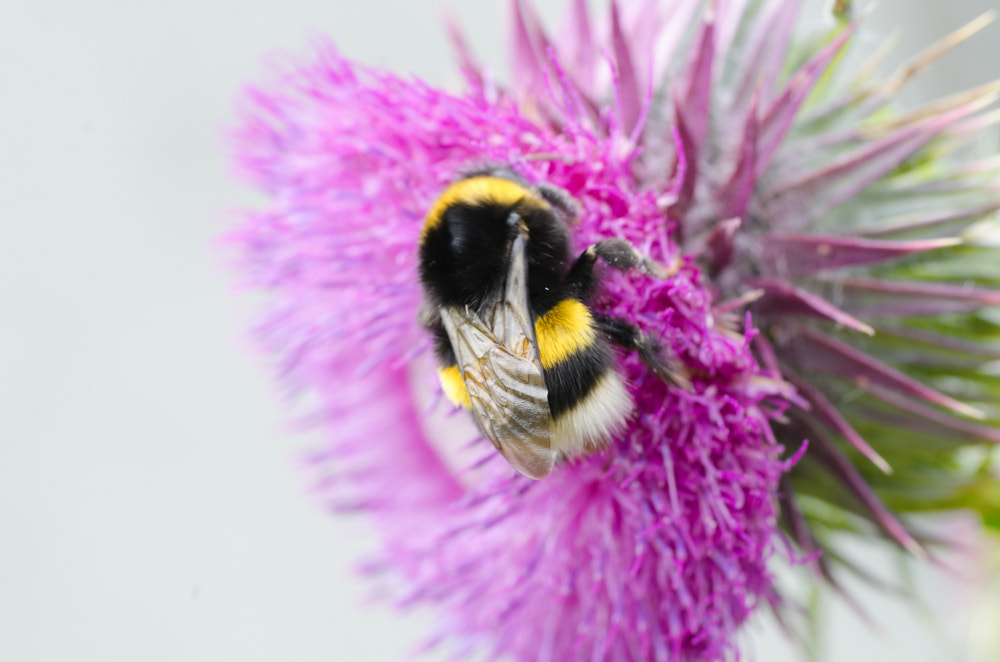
(516, 341)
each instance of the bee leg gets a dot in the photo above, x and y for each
(561, 200)
(621, 254)
(629, 336)
(618, 254)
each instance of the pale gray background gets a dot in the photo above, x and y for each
(151, 503)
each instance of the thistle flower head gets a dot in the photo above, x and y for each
(706, 157)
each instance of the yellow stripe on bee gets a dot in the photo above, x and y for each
(476, 191)
(454, 386)
(563, 331)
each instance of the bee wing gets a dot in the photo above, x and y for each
(499, 361)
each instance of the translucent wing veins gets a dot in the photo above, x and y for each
(498, 357)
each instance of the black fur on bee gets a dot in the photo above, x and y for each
(508, 306)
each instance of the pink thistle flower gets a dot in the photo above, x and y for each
(657, 547)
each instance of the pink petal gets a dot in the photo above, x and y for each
(733, 197)
(694, 103)
(927, 220)
(629, 95)
(529, 55)
(817, 351)
(730, 19)
(579, 46)
(825, 451)
(765, 350)
(891, 298)
(466, 61)
(782, 298)
(761, 63)
(792, 255)
(795, 204)
(643, 22)
(678, 18)
(779, 116)
(719, 246)
(941, 341)
(827, 414)
(687, 171)
(941, 423)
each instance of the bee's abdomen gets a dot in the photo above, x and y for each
(573, 356)
(565, 329)
(572, 379)
(587, 398)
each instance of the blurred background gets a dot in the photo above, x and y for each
(152, 502)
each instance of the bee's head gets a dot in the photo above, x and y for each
(467, 237)
(464, 257)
